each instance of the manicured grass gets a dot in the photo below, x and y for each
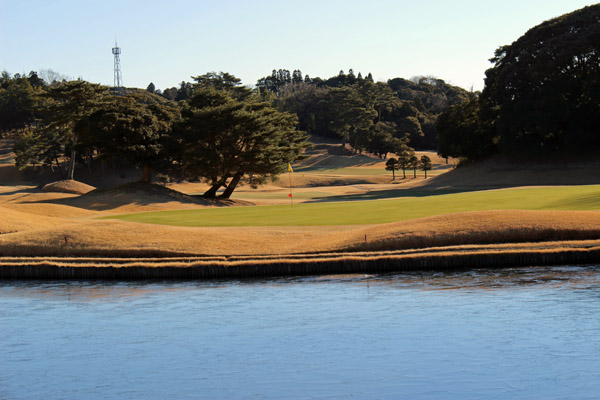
(380, 211)
(258, 195)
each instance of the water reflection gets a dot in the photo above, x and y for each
(572, 277)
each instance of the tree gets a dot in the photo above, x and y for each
(425, 164)
(227, 140)
(18, 102)
(69, 105)
(225, 82)
(349, 118)
(304, 100)
(381, 139)
(151, 88)
(405, 158)
(544, 89)
(128, 128)
(461, 133)
(392, 165)
(413, 162)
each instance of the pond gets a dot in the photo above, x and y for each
(481, 334)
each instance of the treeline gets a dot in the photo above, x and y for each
(542, 94)
(223, 133)
(370, 116)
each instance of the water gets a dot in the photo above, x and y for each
(531, 333)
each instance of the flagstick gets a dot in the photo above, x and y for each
(291, 201)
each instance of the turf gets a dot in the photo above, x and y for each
(379, 211)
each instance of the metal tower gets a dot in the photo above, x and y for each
(118, 85)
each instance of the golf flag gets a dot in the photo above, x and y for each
(290, 168)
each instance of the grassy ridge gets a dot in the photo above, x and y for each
(577, 198)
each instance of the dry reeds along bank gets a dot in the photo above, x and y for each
(434, 259)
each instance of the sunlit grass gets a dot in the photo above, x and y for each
(380, 211)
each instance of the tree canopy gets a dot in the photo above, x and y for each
(544, 89)
(226, 139)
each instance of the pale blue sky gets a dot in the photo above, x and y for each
(167, 42)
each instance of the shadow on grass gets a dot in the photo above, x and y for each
(24, 192)
(390, 194)
(140, 194)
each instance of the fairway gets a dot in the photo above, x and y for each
(576, 198)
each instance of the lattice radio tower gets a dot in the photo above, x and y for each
(118, 85)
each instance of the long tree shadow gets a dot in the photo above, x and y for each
(140, 194)
(390, 194)
(25, 192)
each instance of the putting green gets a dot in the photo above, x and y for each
(379, 211)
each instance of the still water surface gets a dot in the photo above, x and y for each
(530, 333)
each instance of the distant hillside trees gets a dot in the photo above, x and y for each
(353, 108)
(19, 106)
(543, 93)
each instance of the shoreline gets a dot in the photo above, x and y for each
(200, 268)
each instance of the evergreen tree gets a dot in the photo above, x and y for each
(392, 165)
(425, 164)
(228, 140)
(67, 109)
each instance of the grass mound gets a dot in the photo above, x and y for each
(68, 186)
(143, 196)
(476, 227)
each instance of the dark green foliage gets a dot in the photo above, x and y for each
(398, 102)
(224, 82)
(392, 165)
(128, 128)
(544, 89)
(413, 162)
(18, 101)
(66, 110)
(425, 164)
(406, 156)
(462, 135)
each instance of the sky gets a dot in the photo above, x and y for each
(168, 42)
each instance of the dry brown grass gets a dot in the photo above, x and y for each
(68, 186)
(33, 223)
(89, 237)
(473, 227)
(18, 221)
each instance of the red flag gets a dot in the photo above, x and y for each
(290, 195)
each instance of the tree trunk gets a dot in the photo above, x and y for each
(147, 174)
(231, 187)
(393, 174)
(71, 168)
(415, 170)
(88, 157)
(404, 173)
(212, 192)
(60, 171)
(425, 174)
